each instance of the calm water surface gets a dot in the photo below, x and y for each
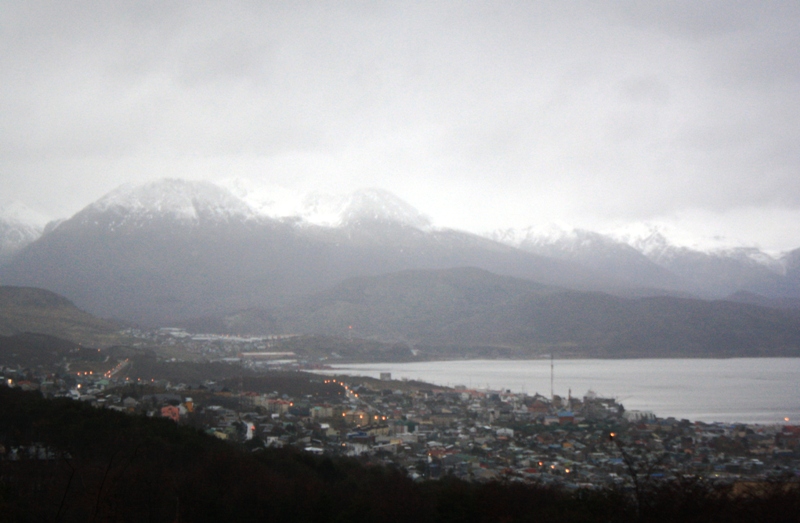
(750, 390)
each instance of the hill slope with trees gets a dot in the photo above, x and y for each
(474, 308)
(32, 310)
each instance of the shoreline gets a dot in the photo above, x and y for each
(733, 390)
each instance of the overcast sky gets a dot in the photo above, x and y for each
(481, 114)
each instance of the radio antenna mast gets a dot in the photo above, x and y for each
(552, 396)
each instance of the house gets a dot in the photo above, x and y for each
(566, 416)
(171, 412)
(539, 407)
(505, 433)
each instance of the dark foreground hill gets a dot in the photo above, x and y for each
(77, 463)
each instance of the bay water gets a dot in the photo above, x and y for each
(746, 390)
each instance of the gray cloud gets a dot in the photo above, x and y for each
(482, 114)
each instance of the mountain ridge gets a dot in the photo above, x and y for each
(174, 250)
(454, 311)
(181, 200)
(652, 259)
(140, 263)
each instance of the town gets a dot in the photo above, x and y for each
(431, 431)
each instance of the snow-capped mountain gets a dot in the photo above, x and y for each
(598, 252)
(719, 271)
(658, 248)
(379, 206)
(271, 200)
(326, 209)
(542, 234)
(176, 249)
(16, 212)
(656, 243)
(651, 259)
(19, 226)
(182, 201)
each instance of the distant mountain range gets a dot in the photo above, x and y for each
(472, 308)
(653, 262)
(177, 251)
(450, 313)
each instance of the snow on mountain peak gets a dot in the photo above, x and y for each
(179, 199)
(656, 239)
(325, 209)
(272, 200)
(539, 235)
(19, 226)
(377, 205)
(662, 245)
(573, 239)
(559, 242)
(19, 213)
(652, 244)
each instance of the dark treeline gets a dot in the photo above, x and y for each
(65, 461)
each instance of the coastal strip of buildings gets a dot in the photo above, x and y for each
(429, 431)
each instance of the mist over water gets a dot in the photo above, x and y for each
(748, 390)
